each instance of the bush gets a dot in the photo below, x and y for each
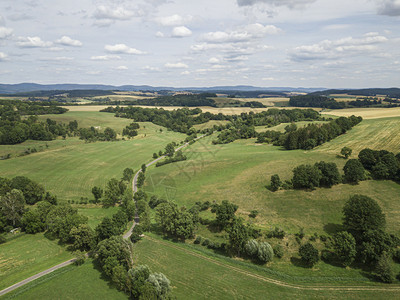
(198, 240)
(275, 182)
(383, 269)
(205, 242)
(345, 247)
(309, 255)
(253, 213)
(276, 233)
(80, 258)
(396, 255)
(278, 251)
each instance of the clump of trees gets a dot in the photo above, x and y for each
(131, 130)
(314, 135)
(92, 134)
(175, 221)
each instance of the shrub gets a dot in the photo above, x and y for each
(276, 233)
(383, 269)
(309, 255)
(275, 182)
(345, 247)
(265, 252)
(278, 251)
(306, 177)
(205, 242)
(198, 240)
(80, 258)
(253, 213)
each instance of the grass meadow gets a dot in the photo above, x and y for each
(27, 255)
(76, 283)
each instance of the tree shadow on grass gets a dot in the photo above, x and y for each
(332, 228)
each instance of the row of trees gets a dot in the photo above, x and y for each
(313, 135)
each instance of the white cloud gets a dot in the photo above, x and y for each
(185, 73)
(289, 3)
(2, 21)
(93, 72)
(178, 65)
(105, 57)
(214, 60)
(389, 7)
(181, 31)
(3, 56)
(149, 68)
(5, 32)
(242, 34)
(174, 20)
(328, 49)
(67, 41)
(32, 42)
(121, 68)
(107, 13)
(123, 49)
(159, 34)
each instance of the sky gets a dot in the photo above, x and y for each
(185, 43)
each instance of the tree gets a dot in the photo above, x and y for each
(306, 177)
(136, 233)
(373, 244)
(112, 193)
(362, 213)
(97, 193)
(33, 192)
(32, 222)
(127, 174)
(353, 171)
(384, 270)
(140, 180)
(113, 252)
(106, 229)
(83, 237)
(346, 152)
(110, 134)
(238, 236)
(368, 158)
(275, 182)
(309, 255)
(344, 245)
(143, 168)
(155, 155)
(174, 221)
(12, 206)
(329, 174)
(170, 149)
(137, 278)
(265, 252)
(225, 213)
(161, 285)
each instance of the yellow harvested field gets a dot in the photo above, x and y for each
(366, 113)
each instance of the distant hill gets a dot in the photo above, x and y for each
(32, 87)
(390, 92)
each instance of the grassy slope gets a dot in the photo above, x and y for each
(70, 168)
(96, 214)
(240, 171)
(27, 255)
(183, 267)
(83, 282)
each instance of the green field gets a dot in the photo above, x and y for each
(27, 255)
(240, 171)
(70, 168)
(200, 275)
(84, 282)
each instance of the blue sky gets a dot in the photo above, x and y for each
(309, 43)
